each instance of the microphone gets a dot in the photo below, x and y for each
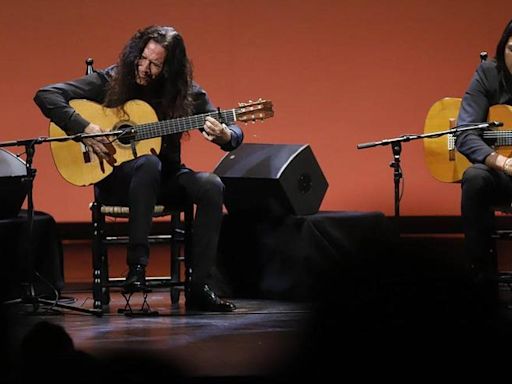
(490, 124)
(487, 125)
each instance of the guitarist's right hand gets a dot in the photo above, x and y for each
(99, 146)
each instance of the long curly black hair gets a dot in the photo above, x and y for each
(506, 76)
(172, 86)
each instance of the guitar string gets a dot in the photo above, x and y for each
(165, 127)
(503, 138)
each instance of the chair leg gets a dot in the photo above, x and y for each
(187, 241)
(175, 270)
(175, 295)
(105, 289)
(100, 289)
(180, 245)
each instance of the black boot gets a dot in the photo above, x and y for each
(136, 278)
(202, 298)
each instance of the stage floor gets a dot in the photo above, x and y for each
(260, 337)
(264, 341)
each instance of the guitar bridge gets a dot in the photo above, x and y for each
(451, 141)
(451, 147)
(85, 153)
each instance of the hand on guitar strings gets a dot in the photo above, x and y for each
(100, 146)
(215, 131)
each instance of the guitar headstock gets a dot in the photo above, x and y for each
(254, 110)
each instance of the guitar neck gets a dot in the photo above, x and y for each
(499, 138)
(182, 124)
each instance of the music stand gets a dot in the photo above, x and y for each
(396, 146)
(28, 291)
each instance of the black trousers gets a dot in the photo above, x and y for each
(139, 184)
(483, 189)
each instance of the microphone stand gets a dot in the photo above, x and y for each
(396, 146)
(28, 293)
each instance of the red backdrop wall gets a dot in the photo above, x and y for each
(339, 73)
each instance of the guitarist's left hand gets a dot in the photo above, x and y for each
(215, 131)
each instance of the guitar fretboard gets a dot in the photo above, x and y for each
(182, 124)
(499, 138)
(496, 138)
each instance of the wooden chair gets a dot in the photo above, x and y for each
(104, 234)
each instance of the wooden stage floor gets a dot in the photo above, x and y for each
(254, 341)
(264, 341)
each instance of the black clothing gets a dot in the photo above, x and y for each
(147, 180)
(483, 188)
(53, 100)
(485, 90)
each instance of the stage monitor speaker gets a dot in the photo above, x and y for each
(272, 179)
(13, 188)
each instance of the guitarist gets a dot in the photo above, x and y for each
(153, 67)
(488, 182)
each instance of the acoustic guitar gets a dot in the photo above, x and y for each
(137, 132)
(444, 162)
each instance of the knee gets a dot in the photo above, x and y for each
(212, 187)
(477, 179)
(213, 183)
(149, 165)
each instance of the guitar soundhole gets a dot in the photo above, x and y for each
(128, 134)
